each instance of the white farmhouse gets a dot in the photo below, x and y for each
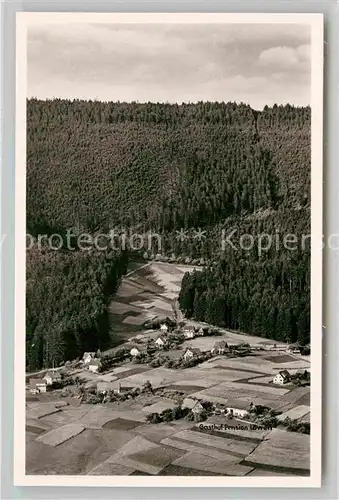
(192, 404)
(87, 357)
(135, 352)
(238, 407)
(52, 378)
(163, 328)
(37, 385)
(94, 365)
(189, 333)
(191, 353)
(282, 377)
(161, 342)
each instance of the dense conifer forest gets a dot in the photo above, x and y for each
(93, 166)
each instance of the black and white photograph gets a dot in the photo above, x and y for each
(168, 293)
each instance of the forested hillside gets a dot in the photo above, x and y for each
(93, 166)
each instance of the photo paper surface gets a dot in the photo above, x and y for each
(168, 249)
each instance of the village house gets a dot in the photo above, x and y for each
(87, 357)
(294, 349)
(191, 353)
(219, 347)
(189, 333)
(135, 352)
(164, 328)
(94, 365)
(37, 385)
(282, 377)
(200, 332)
(161, 342)
(238, 407)
(192, 404)
(52, 378)
(276, 347)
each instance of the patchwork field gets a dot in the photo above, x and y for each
(116, 439)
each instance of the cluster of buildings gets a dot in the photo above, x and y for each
(91, 361)
(293, 349)
(161, 341)
(235, 407)
(39, 385)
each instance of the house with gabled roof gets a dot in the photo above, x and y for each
(94, 365)
(52, 378)
(238, 407)
(189, 333)
(219, 347)
(87, 357)
(135, 352)
(282, 377)
(37, 385)
(192, 404)
(161, 342)
(191, 353)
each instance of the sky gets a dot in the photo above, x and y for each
(255, 64)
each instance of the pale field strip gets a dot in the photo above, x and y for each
(162, 304)
(296, 394)
(101, 415)
(262, 367)
(218, 374)
(238, 338)
(234, 447)
(144, 284)
(67, 416)
(160, 406)
(107, 377)
(231, 391)
(283, 449)
(262, 379)
(306, 418)
(40, 423)
(279, 457)
(127, 289)
(157, 377)
(139, 320)
(62, 434)
(122, 308)
(155, 432)
(42, 411)
(203, 343)
(227, 458)
(274, 390)
(141, 304)
(197, 461)
(105, 386)
(158, 456)
(295, 413)
(121, 369)
(138, 465)
(289, 440)
(132, 447)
